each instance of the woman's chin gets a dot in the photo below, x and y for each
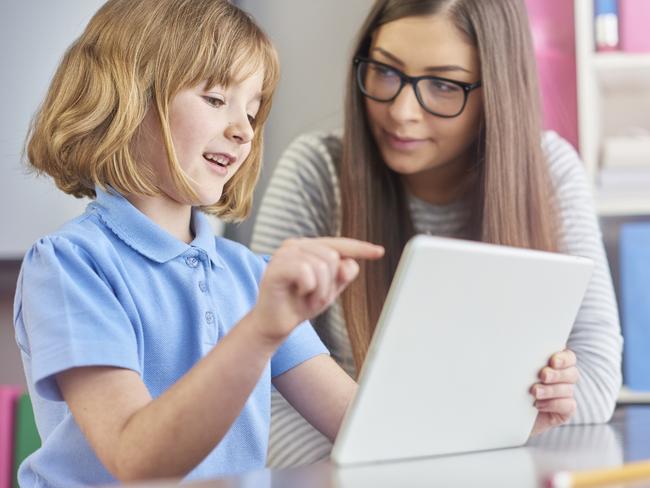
(406, 166)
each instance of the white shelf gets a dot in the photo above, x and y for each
(613, 93)
(627, 396)
(622, 71)
(612, 206)
(621, 61)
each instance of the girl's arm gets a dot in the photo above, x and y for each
(320, 391)
(137, 437)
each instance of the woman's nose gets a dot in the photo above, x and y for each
(405, 106)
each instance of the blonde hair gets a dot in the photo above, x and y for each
(135, 55)
(511, 201)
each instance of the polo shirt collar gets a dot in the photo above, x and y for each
(145, 236)
(204, 237)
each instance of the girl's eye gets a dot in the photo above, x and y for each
(214, 101)
(251, 120)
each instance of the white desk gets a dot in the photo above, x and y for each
(626, 438)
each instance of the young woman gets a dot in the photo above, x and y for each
(442, 135)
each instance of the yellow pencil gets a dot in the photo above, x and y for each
(583, 479)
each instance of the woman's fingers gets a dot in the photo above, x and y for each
(549, 375)
(554, 396)
(563, 360)
(562, 390)
(565, 407)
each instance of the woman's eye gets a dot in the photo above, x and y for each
(445, 87)
(385, 71)
(214, 101)
(251, 120)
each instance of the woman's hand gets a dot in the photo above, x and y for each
(554, 394)
(303, 278)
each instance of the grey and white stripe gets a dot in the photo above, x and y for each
(303, 200)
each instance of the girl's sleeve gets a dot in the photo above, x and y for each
(596, 335)
(67, 316)
(302, 345)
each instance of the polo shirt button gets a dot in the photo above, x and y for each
(191, 261)
(209, 317)
(202, 286)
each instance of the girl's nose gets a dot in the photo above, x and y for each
(240, 131)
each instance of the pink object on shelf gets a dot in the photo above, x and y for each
(8, 397)
(552, 26)
(634, 19)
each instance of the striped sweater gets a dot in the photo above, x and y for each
(303, 199)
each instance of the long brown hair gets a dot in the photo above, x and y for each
(511, 201)
(137, 54)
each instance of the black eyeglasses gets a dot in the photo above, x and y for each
(438, 96)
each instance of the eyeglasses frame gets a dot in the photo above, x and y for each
(413, 81)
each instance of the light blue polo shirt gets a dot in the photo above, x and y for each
(112, 288)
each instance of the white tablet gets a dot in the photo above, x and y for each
(464, 331)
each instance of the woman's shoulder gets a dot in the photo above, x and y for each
(327, 144)
(303, 194)
(309, 167)
(566, 169)
(573, 193)
(313, 156)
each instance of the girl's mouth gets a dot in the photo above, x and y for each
(220, 159)
(219, 162)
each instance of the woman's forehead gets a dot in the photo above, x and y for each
(420, 43)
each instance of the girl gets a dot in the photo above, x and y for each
(149, 345)
(442, 135)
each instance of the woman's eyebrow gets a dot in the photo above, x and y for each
(433, 69)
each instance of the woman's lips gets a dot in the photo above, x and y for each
(403, 143)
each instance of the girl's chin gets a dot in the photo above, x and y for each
(205, 199)
(208, 202)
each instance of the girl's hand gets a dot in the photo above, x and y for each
(554, 395)
(303, 278)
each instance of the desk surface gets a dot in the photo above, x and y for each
(626, 438)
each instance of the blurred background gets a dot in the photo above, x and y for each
(594, 64)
